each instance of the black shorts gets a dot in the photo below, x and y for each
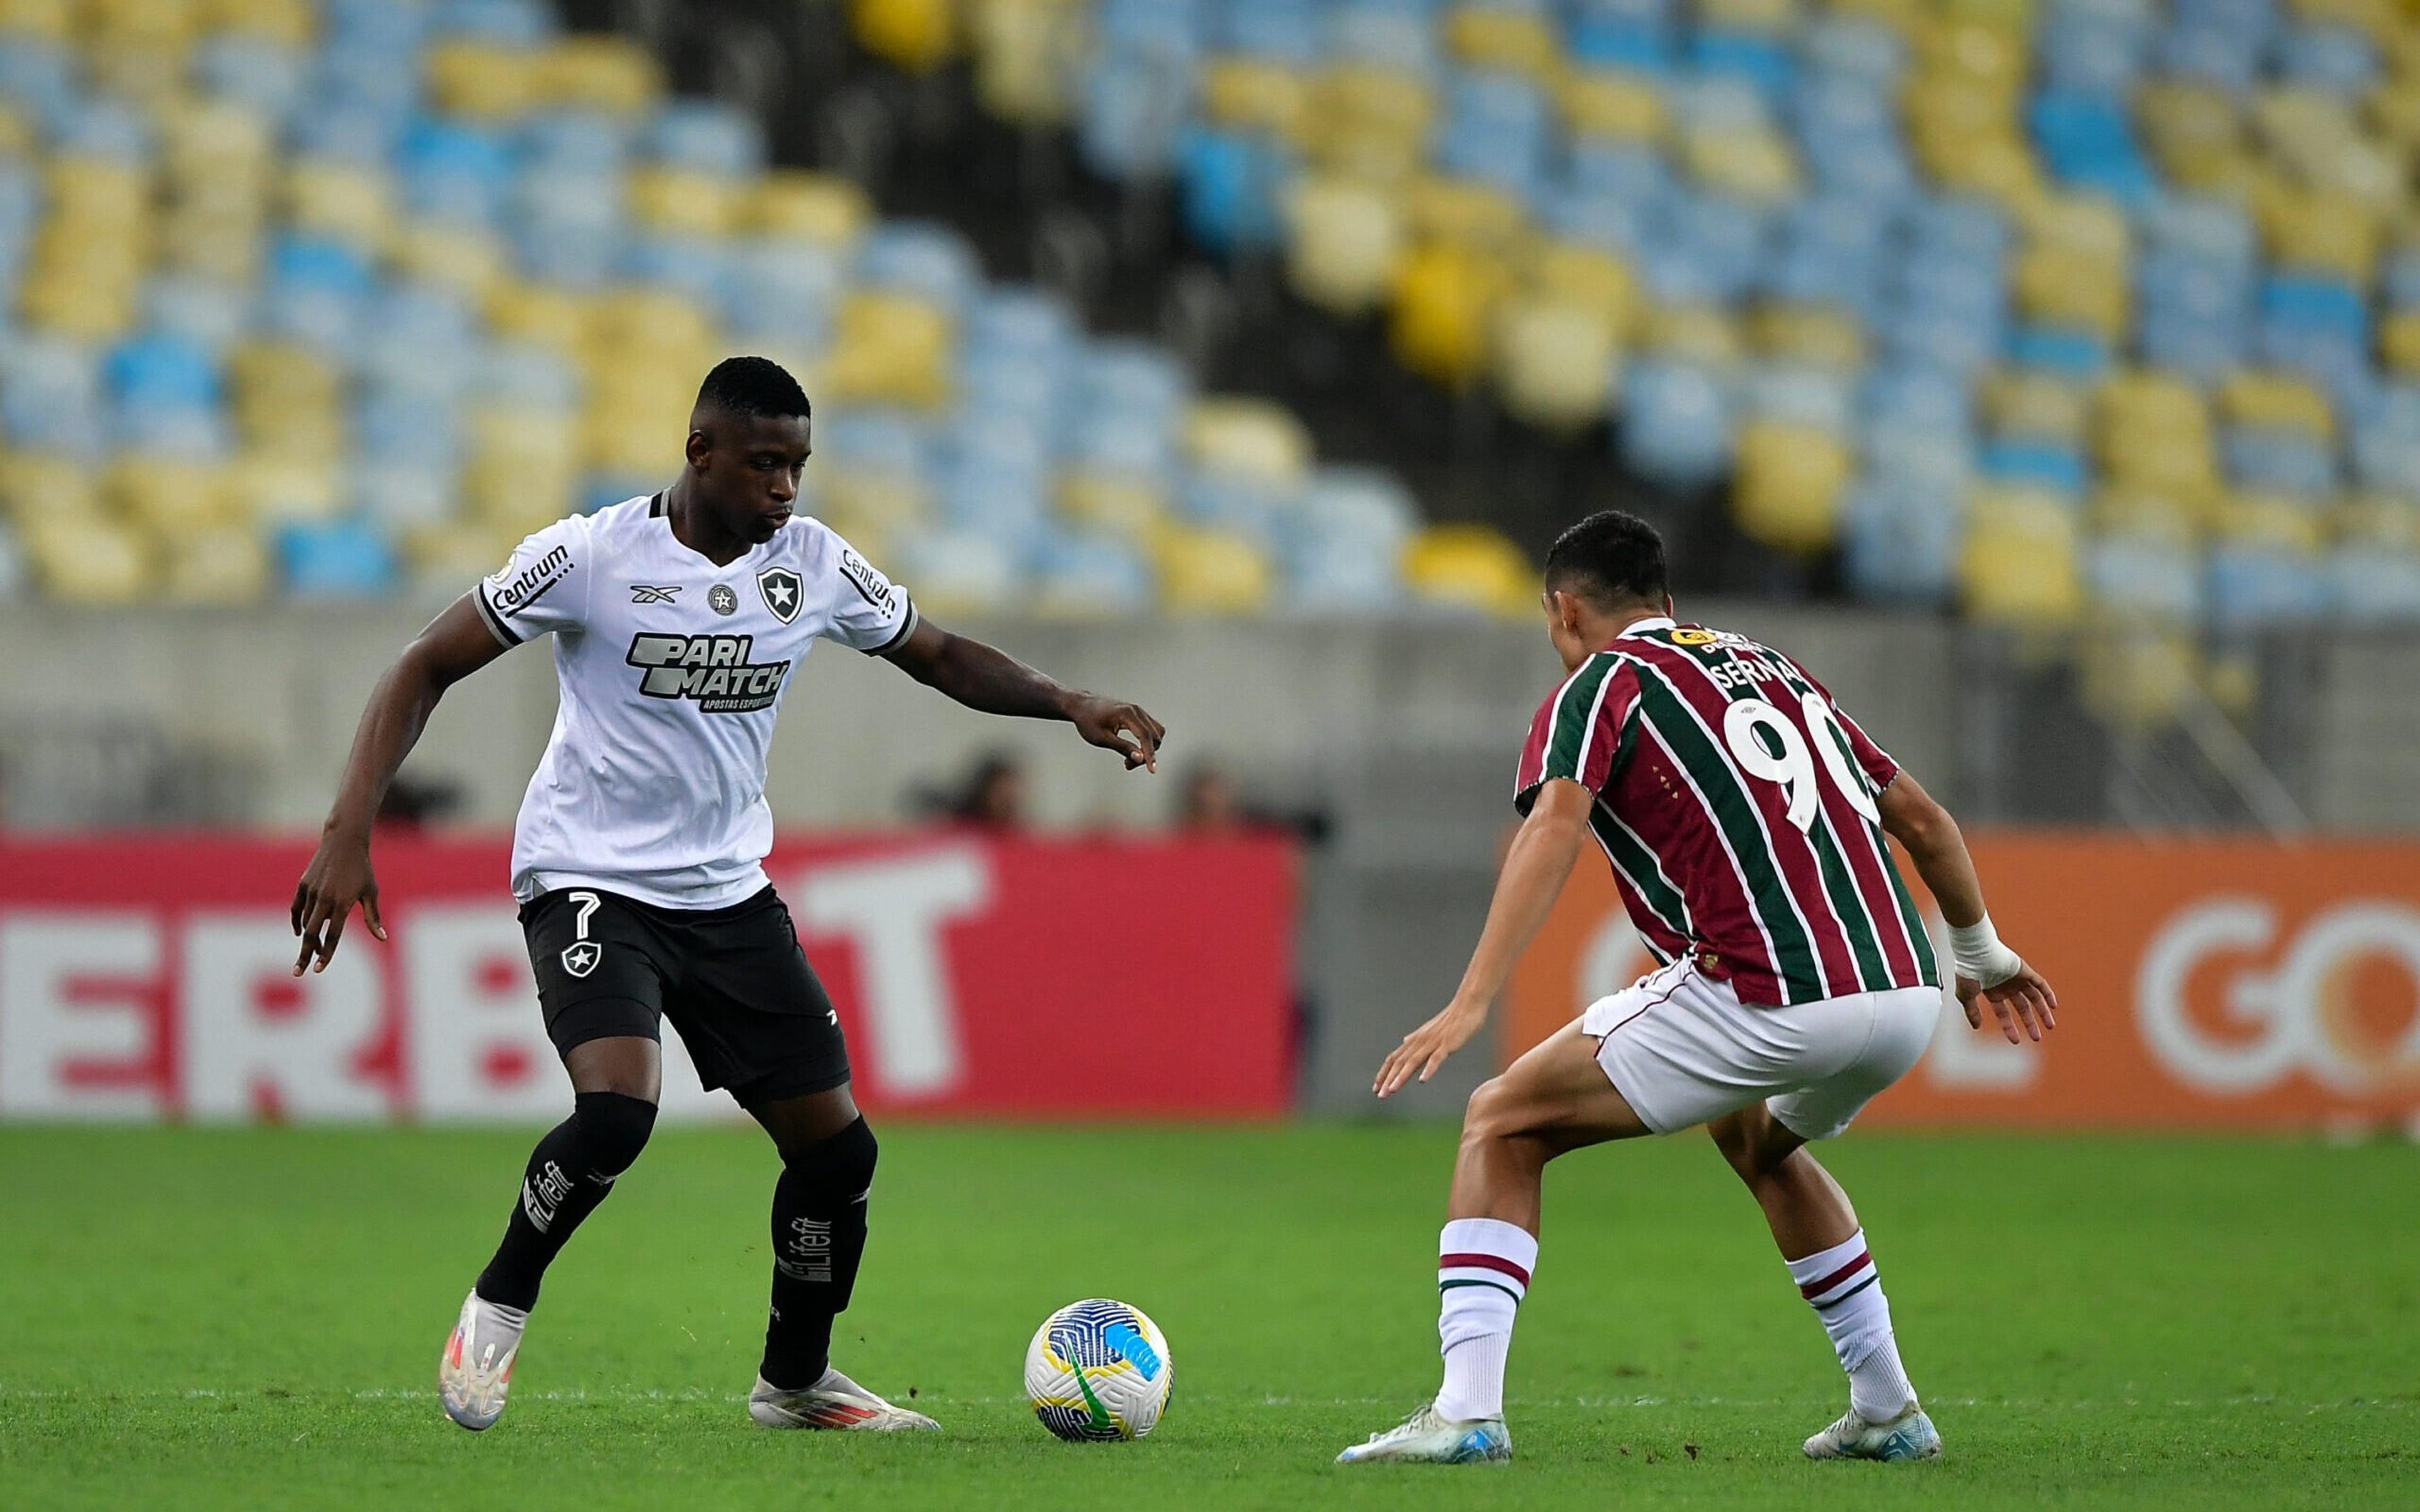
(733, 980)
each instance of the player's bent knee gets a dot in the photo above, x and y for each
(842, 1163)
(614, 1128)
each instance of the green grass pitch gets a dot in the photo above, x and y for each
(204, 1319)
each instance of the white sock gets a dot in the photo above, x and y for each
(1846, 1291)
(1482, 1274)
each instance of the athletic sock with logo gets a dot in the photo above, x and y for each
(1482, 1274)
(1846, 1291)
(819, 1240)
(569, 1173)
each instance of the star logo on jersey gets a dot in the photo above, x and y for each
(650, 593)
(722, 599)
(784, 591)
(580, 959)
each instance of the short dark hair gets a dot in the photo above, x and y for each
(1610, 559)
(752, 386)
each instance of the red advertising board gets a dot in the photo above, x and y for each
(2201, 983)
(145, 978)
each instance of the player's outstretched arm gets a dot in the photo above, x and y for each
(990, 681)
(1988, 971)
(456, 644)
(1535, 870)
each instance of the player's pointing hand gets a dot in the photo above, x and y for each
(1123, 728)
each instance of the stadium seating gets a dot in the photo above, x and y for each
(326, 297)
(1968, 290)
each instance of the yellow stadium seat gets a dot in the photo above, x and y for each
(2378, 519)
(889, 347)
(2147, 513)
(291, 21)
(1110, 501)
(916, 34)
(2185, 123)
(520, 493)
(1465, 212)
(447, 554)
(226, 565)
(211, 142)
(79, 559)
(2375, 19)
(1815, 335)
(824, 209)
(18, 137)
(1209, 572)
(616, 75)
(1612, 102)
(1021, 50)
(1439, 311)
(2394, 111)
(2063, 288)
(638, 321)
(1981, 44)
(1554, 361)
(1255, 94)
(533, 312)
(163, 494)
(1470, 567)
(672, 199)
(2018, 563)
(2399, 340)
(2320, 230)
(84, 311)
(1344, 240)
(35, 483)
(1247, 437)
(873, 504)
(2083, 224)
(1491, 37)
(461, 257)
(265, 486)
(2154, 430)
(282, 375)
(1997, 165)
(1372, 120)
(1586, 277)
(2267, 523)
(49, 21)
(1788, 491)
(2028, 402)
(1705, 334)
(1754, 164)
(2276, 401)
(339, 199)
(96, 191)
(481, 81)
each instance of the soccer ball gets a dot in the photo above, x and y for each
(1098, 1369)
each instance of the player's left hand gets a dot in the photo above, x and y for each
(1425, 1048)
(1108, 724)
(2024, 999)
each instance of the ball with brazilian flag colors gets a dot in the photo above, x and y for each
(1099, 1370)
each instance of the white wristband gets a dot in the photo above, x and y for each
(1979, 955)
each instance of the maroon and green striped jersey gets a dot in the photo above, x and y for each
(1737, 804)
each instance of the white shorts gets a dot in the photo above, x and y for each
(1681, 1049)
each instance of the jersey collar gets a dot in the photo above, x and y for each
(1639, 628)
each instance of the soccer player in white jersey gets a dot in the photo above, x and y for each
(678, 622)
(1743, 815)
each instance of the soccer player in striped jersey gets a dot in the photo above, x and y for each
(1744, 814)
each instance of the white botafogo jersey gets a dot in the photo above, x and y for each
(671, 672)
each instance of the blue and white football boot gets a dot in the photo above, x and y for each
(1909, 1436)
(1426, 1439)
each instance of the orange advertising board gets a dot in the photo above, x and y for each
(2211, 983)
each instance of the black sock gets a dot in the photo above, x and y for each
(819, 1239)
(569, 1173)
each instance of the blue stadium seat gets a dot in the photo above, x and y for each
(336, 559)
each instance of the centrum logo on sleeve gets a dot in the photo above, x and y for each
(712, 670)
(533, 583)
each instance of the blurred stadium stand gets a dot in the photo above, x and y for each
(2086, 335)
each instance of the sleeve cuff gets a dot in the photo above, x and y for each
(899, 636)
(494, 622)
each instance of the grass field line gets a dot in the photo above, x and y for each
(700, 1393)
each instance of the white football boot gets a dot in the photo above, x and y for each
(477, 1365)
(834, 1402)
(1426, 1439)
(1909, 1436)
